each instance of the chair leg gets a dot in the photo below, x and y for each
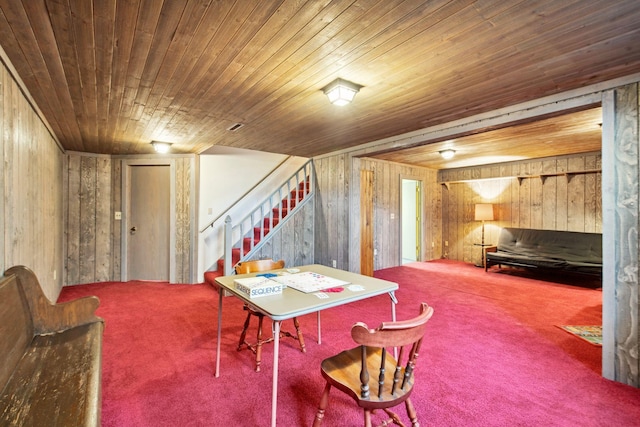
(367, 418)
(411, 412)
(299, 333)
(243, 335)
(324, 401)
(259, 344)
(298, 336)
(393, 418)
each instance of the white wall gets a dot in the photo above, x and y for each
(226, 174)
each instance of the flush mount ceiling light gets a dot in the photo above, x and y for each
(341, 92)
(447, 154)
(161, 147)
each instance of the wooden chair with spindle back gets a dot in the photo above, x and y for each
(257, 266)
(370, 375)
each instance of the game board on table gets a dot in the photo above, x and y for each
(309, 281)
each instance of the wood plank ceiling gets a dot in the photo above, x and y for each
(571, 133)
(112, 75)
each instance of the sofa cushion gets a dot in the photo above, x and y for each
(513, 258)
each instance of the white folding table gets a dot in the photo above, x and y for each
(293, 303)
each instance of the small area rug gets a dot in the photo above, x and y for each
(591, 334)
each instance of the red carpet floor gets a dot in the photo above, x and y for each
(492, 357)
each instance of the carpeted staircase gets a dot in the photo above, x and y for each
(269, 223)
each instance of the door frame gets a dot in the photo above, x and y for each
(126, 193)
(419, 216)
(367, 224)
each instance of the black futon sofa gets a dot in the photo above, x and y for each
(547, 249)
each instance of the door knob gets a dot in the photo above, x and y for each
(133, 229)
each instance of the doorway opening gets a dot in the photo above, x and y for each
(411, 220)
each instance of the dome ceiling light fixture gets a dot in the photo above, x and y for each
(447, 154)
(341, 92)
(161, 147)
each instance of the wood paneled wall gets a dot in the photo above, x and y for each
(555, 193)
(88, 224)
(94, 238)
(32, 190)
(621, 248)
(185, 212)
(333, 182)
(559, 201)
(338, 206)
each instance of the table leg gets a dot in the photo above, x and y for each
(274, 390)
(220, 292)
(394, 301)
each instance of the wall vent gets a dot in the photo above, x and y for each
(235, 127)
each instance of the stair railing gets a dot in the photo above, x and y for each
(263, 219)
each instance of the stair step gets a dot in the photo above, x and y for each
(210, 276)
(235, 257)
(297, 195)
(294, 197)
(267, 221)
(256, 232)
(306, 185)
(289, 203)
(247, 241)
(280, 211)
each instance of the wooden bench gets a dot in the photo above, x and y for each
(50, 356)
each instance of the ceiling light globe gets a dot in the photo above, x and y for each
(161, 147)
(447, 154)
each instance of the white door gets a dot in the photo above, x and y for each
(148, 223)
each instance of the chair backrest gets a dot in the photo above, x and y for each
(405, 334)
(258, 265)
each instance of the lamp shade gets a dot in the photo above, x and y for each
(484, 212)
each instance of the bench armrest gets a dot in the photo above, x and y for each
(49, 317)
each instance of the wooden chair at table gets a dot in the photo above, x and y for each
(370, 375)
(256, 267)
